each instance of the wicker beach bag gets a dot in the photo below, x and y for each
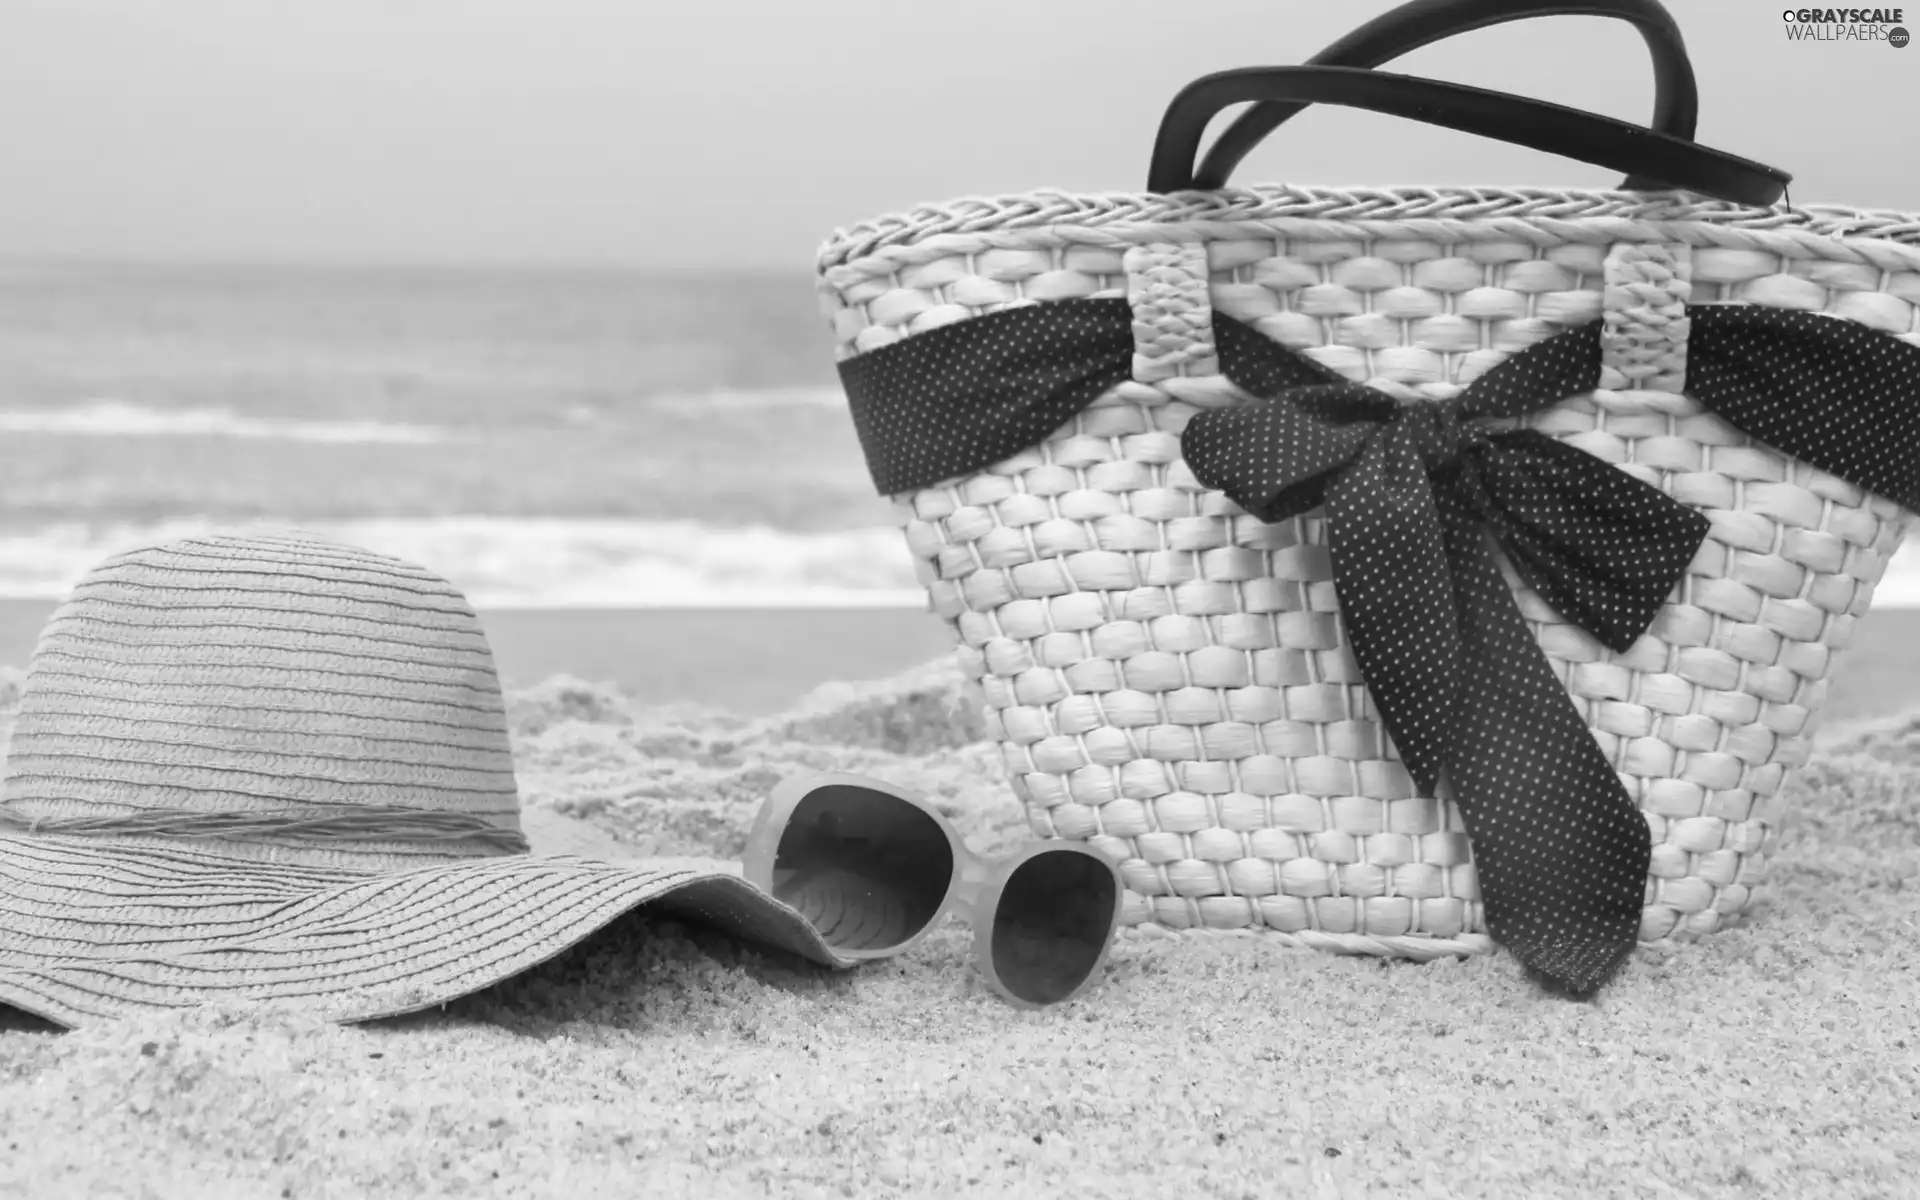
(1401, 572)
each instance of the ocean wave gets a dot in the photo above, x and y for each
(1900, 588)
(511, 562)
(829, 397)
(543, 562)
(114, 418)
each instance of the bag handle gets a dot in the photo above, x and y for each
(1676, 97)
(1537, 124)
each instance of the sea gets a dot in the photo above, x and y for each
(544, 438)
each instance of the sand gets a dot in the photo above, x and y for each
(658, 1059)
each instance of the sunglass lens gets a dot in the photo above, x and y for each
(869, 870)
(1054, 920)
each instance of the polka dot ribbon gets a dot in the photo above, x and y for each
(1417, 498)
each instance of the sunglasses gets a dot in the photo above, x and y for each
(874, 869)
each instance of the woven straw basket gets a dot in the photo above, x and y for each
(1168, 677)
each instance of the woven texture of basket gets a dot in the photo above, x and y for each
(1168, 677)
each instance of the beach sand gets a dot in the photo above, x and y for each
(659, 1059)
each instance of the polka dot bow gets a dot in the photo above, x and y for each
(1411, 493)
(1417, 497)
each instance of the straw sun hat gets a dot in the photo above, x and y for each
(276, 767)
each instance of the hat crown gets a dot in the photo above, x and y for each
(278, 690)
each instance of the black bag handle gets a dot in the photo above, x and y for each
(1638, 151)
(1676, 97)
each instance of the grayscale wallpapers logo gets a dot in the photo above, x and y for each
(1847, 25)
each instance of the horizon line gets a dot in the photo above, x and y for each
(295, 262)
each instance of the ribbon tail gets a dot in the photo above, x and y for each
(1560, 849)
(1396, 597)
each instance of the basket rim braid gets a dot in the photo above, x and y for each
(1541, 215)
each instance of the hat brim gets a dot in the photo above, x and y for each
(91, 931)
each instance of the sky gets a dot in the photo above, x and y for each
(740, 133)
